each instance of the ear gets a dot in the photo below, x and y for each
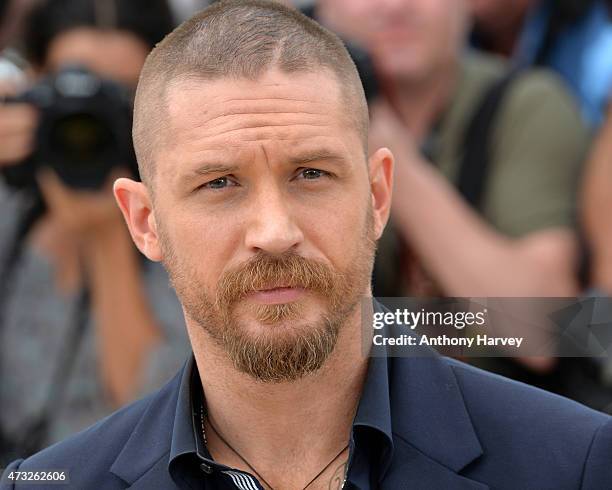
(136, 205)
(381, 165)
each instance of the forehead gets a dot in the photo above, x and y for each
(202, 102)
(284, 110)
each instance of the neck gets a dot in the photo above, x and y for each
(420, 102)
(302, 423)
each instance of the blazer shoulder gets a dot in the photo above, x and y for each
(597, 469)
(495, 402)
(507, 398)
(542, 433)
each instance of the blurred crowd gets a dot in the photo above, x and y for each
(497, 114)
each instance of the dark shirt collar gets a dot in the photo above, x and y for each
(184, 461)
(374, 410)
(184, 436)
(372, 437)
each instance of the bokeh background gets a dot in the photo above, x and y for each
(496, 110)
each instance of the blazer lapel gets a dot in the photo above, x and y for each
(412, 469)
(143, 461)
(434, 437)
(155, 478)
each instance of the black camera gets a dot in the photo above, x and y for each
(83, 133)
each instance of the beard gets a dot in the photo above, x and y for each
(289, 347)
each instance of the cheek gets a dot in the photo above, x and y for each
(337, 231)
(203, 244)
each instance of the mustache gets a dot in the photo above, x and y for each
(266, 271)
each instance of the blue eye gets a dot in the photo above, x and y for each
(313, 173)
(219, 183)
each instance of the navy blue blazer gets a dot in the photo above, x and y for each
(453, 427)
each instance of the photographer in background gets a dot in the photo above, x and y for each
(68, 357)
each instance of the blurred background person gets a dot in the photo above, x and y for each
(571, 37)
(86, 324)
(488, 164)
(595, 207)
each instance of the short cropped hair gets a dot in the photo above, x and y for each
(239, 39)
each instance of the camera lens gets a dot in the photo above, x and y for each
(81, 139)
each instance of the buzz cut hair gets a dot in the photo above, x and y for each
(239, 39)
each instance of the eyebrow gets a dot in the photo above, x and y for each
(303, 158)
(316, 156)
(212, 168)
(204, 169)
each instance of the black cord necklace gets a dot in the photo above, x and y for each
(243, 459)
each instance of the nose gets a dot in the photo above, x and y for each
(272, 228)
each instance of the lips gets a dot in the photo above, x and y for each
(277, 295)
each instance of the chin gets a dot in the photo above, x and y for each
(403, 65)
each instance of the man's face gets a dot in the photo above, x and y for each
(407, 39)
(264, 215)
